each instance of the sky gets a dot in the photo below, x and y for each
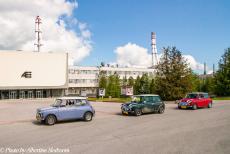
(118, 31)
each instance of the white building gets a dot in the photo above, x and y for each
(47, 74)
(85, 80)
(32, 74)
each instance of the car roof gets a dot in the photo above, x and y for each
(72, 98)
(197, 93)
(147, 95)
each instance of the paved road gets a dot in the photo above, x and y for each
(176, 131)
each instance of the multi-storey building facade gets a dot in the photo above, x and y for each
(85, 80)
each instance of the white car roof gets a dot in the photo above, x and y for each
(72, 98)
(146, 95)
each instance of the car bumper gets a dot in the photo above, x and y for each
(39, 117)
(126, 110)
(184, 106)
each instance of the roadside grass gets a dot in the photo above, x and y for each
(221, 98)
(116, 100)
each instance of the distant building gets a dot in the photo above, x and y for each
(85, 80)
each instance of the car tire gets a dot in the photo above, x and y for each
(194, 107)
(209, 105)
(50, 120)
(179, 107)
(137, 112)
(88, 116)
(161, 110)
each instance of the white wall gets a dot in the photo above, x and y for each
(48, 69)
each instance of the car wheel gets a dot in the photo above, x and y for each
(209, 105)
(161, 109)
(88, 116)
(50, 120)
(137, 112)
(179, 107)
(194, 107)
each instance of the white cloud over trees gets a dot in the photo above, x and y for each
(133, 55)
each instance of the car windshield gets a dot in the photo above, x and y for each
(191, 96)
(57, 103)
(140, 99)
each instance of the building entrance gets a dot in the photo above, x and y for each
(39, 94)
(13, 95)
(22, 95)
(30, 94)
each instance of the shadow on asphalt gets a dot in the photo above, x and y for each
(58, 123)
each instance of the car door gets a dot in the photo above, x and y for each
(157, 102)
(66, 110)
(79, 108)
(148, 105)
(201, 100)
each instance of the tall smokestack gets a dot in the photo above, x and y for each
(154, 49)
(205, 69)
(38, 33)
(213, 69)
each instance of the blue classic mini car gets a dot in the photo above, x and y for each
(66, 108)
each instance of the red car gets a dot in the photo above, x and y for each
(195, 100)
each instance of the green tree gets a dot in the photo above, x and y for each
(222, 76)
(174, 76)
(144, 84)
(117, 86)
(103, 82)
(152, 86)
(113, 88)
(137, 86)
(124, 81)
(131, 81)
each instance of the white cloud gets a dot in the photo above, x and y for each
(193, 63)
(17, 27)
(132, 55)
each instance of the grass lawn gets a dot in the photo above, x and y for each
(221, 98)
(117, 100)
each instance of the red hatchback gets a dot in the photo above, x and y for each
(195, 100)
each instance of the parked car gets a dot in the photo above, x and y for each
(66, 108)
(195, 100)
(146, 103)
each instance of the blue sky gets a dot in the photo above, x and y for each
(197, 27)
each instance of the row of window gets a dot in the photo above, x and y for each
(83, 81)
(73, 71)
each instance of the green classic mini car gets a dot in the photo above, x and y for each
(146, 103)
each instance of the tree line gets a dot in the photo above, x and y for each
(173, 78)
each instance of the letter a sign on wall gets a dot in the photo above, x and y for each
(27, 74)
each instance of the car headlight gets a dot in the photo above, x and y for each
(189, 102)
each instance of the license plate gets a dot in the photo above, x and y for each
(183, 107)
(125, 112)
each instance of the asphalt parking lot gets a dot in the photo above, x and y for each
(176, 131)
